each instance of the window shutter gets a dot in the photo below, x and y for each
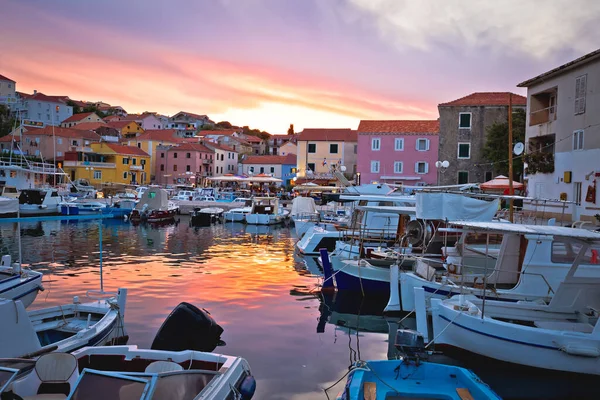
(427, 141)
(427, 166)
(417, 167)
(582, 92)
(417, 145)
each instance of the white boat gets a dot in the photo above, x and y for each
(83, 208)
(239, 214)
(83, 188)
(39, 202)
(17, 283)
(154, 207)
(206, 216)
(184, 195)
(561, 335)
(318, 237)
(304, 214)
(18, 172)
(9, 207)
(62, 328)
(265, 211)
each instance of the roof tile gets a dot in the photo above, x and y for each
(399, 126)
(288, 159)
(77, 117)
(487, 99)
(324, 135)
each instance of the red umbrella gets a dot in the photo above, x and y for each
(500, 183)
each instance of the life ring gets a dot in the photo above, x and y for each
(478, 284)
(452, 268)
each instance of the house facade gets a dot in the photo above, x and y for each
(187, 163)
(187, 124)
(288, 148)
(108, 163)
(225, 159)
(147, 121)
(8, 91)
(153, 138)
(76, 119)
(563, 138)
(321, 149)
(43, 142)
(399, 152)
(463, 130)
(238, 144)
(127, 129)
(276, 141)
(49, 110)
(280, 167)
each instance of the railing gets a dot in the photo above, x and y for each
(83, 149)
(542, 116)
(136, 167)
(89, 164)
(207, 161)
(35, 167)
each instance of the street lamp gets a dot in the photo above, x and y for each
(91, 169)
(441, 167)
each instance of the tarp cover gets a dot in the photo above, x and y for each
(454, 207)
(157, 199)
(303, 205)
(8, 206)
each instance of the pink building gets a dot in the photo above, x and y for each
(187, 163)
(400, 152)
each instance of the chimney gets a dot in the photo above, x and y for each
(34, 91)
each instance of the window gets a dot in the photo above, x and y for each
(272, 170)
(312, 147)
(125, 161)
(251, 169)
(355, 148)
(98, 175)
(162, 155)
(37, 139)
(162, 167)
(375, 144)
(578, 140)
(59, 153)
(175, 154)
(222, 157)
(463, 177)
(464, 120)
(188, 155)
(188, 168)
(464, 150)
(59, 141)
(262, 170)
(565, 253)
(333, 148)
(74, 143)
(139, 145)
(580, 91)
(143, 162)
(134, 161)
(175, 167)
(488, 176)
(399, 144)
(422, 144)
(375, 167)
(125, 175)
(311, 167)
(398, 167)
(421, 167)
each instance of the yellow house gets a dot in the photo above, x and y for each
(126, 128)
(320, 149)
(151, 139)
(106, 162)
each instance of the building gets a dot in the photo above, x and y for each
(8, 91)
(225, 160)
(276, 141)
(127, 129)
(463, 128)
(563, 137)
(113, 110)
(80, 118)
(281, 167)
(238, 144)
(48, 110)
(91, 126)
(400, 152)
(150, 140)
(108, 163)
(321, 149)
(147, 121)
(187, 124)
(287, 148)
(187, 163)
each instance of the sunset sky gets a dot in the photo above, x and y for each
(269, 63)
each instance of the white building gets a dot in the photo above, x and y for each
(563, 137)
(49, 110)
(225, 160)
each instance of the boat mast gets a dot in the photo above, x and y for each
(510, 159)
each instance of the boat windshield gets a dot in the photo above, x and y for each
(97, 385)
(31, 197)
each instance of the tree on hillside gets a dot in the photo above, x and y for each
(76, 108)
(496, 146)
(256, 132)
(7, 122)
(224, 125)
(291, 130)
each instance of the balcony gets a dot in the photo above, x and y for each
(207, 161)
(83, 149)
(89, 164)
(136, 167)
(543, 107)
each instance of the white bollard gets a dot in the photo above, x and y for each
(421, 313)
(393, 304)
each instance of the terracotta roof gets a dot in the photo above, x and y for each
(160, 135)
(197, 116)
(192, 147)
(3, 78)
(136, 117)
(270, 159)
(565, 67)
(324, 135)
(219, 146)
(252, 139)
(223, 132)
(88, 126)
(128, 150)
(110, 118)
(399, 126)
(81, 103)
(290, 159)
(42, 97)
(77, 117)
(487, 99)
(64, 132)
(118, 124)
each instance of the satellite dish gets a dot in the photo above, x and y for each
(518, 149)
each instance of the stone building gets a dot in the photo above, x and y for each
(463, 128)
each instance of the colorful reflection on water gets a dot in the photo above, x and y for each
(247, 277)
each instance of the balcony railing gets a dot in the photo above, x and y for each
(89, 164)
(542, 116)
(207, 161)
(136, 167)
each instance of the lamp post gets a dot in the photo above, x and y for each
(358, 179)
(91, 169)
(441, 167)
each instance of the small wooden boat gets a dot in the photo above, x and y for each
(154, 206)
(17, 283)
(62, 328)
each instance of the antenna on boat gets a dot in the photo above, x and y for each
(19, 237)
(101, 274)
(510, 160)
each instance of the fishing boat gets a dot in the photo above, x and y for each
(239, 214)
(562, 334)
(206, 216)
(39, 202)
(17, 283)
(83, 208)
(62, 328)
(82, 188)
(413, 378)
(154, 206)
(265, 211)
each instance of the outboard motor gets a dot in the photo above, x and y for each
(188, 328)
(411, 345)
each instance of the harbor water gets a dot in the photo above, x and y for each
(297, 340)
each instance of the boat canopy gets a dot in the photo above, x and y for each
(547, 230)
(303, 205)
(156, 199)
(454, 207)
(389, 209)
(374, 197)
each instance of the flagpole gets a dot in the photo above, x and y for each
(510, 160)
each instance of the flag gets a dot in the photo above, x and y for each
(324, 162)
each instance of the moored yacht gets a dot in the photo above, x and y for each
(39, 202)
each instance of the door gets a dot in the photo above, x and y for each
(577, 200)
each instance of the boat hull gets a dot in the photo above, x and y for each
(34, 209)
(263, 219)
